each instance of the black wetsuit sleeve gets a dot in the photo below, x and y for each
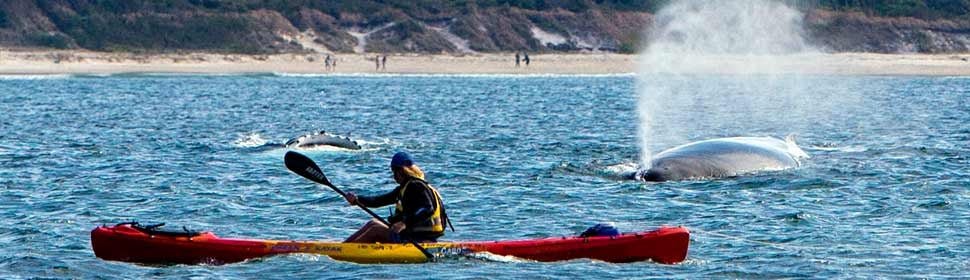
(418, 203)
(380, 200)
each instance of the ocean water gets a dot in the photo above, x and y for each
(884, 195)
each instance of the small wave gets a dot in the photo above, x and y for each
(371, 144)
(486, 256)
(618, 171)
(250, 140)
(324, 148)
(692, 261)
(430, 75)
(935, 204)
(833, 147)
(5, 148)
(94, 75)
(953, 77)
(622, 169)
(190, 74)
(305, 257)
(854, 149)
(36, 77)
(796, 217)
(301, 75)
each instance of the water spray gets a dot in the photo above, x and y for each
(714, 65)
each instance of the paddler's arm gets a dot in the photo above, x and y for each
(373, 201)
(419, 204)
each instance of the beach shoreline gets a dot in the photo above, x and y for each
(40, 62)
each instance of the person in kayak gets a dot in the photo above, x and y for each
(419, 214)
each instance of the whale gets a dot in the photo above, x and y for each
(721, 158)
(322, 139)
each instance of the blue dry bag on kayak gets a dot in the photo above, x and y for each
(601, 230)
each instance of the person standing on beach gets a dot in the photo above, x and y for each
(377, 63)
(384, 63)
(516, 59)
(526, 58)
(326, 63)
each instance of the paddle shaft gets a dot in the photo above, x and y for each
(343, 194)
(294, 160)
(382, 220)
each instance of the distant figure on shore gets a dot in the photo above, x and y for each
(526, 58)
(377, 63)
(516, 59)
(384, 63)
(327, 62)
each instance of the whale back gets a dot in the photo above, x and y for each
(723, 157)
(322, 139)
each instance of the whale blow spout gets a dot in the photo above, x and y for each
(722, 157)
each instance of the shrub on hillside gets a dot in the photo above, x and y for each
(4, 22)
(50, 40)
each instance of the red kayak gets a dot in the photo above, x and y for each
(130, 242)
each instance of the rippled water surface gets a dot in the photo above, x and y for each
(885, 193)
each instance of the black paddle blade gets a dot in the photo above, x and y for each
(304, 166)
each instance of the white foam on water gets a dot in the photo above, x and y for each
(36, 77)
(429, 75)
(309, 75)
(369, 145)
(193, 74)
(622, 168)
(324, 148)
(306, 257)
(486, 256)
(249, 140)
(95, 75)
(847, 149)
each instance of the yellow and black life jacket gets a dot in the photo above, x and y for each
(439, 218)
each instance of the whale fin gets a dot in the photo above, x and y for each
(790, 139)
(793, 148)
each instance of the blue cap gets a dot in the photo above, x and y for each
(401, 159)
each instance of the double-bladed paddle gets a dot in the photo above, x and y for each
(304, 166)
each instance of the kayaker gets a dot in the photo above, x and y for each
(418, 216)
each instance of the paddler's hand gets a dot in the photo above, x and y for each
(351, 198)
(398, 227)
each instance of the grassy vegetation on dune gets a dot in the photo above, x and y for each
(255, 26)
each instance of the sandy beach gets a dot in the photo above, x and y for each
(87, 62)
